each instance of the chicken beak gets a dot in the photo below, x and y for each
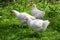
(31, 4)
(11, 12)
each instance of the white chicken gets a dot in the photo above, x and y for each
(37, 25)
(21, 16)
(36, 12)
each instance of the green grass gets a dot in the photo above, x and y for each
(10, 28)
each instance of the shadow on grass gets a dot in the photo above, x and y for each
(8, 29)
(29, 35)
(17, 31)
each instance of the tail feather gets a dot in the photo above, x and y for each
(45, 24)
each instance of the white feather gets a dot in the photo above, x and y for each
(36, 12)
(21, 15)
(38, 25)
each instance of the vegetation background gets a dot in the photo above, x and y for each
(10, 26)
